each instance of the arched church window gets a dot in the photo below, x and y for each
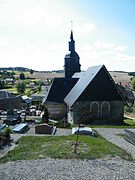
(94, 109)
(105, 109)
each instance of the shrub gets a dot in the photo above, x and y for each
(63, 124)
(22, 76)
(129, 109)
(133, 83)
(7, 131)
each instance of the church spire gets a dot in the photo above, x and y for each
(71, 43)
(71, 36)
(72, 64)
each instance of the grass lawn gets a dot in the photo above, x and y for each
(129, 123)
(33, 118)
(33, 147)
(12, 89)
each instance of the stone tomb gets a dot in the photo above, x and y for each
(45, 129)
(82, 130)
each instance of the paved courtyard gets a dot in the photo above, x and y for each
(113, 135)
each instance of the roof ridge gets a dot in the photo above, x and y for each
(84, 81)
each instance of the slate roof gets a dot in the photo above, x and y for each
(5, 94)
(79, 74)
(8, 100)
(127, 94)
(72, 55)
(37, 97)
(59, 89)
(90, 85)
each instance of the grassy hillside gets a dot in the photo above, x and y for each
(63, 147)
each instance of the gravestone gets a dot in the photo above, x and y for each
(43, 129)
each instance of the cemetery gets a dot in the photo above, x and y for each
(75, 99)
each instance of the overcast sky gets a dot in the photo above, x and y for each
(35, 33)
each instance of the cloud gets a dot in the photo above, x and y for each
(124, 57)
(51, 55)
(110, 46)
(3, 41)
(48, 57)
(33, 16)
(40, 16)
(121, 48)
(104, 45)
(113, 56)
(85, 28)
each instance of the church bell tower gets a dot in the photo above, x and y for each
(72, 64)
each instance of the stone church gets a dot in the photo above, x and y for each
(90, 97)
(61, 86)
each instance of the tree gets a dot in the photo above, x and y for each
(5, 74)
(39, 85)
(31, 71)
(29, 93)
(133, 83)
(22, 76)
(2, 84)
(45, 116)
(12, 73)
(20, 87)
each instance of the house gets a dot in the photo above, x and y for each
(10, 81)
(9, 100)
(32, 85)
(122, 78)
(36, 99)
(127, 94)
(95, 99)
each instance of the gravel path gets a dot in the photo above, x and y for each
(111, 134)
(63, 132)
(105, 169)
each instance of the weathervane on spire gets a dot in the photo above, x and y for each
(71, 36)
(71, 25)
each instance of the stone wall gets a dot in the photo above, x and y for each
(96, 112)
(56, 111)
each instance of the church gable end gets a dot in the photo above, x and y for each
(101, 88)
(98, 102)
